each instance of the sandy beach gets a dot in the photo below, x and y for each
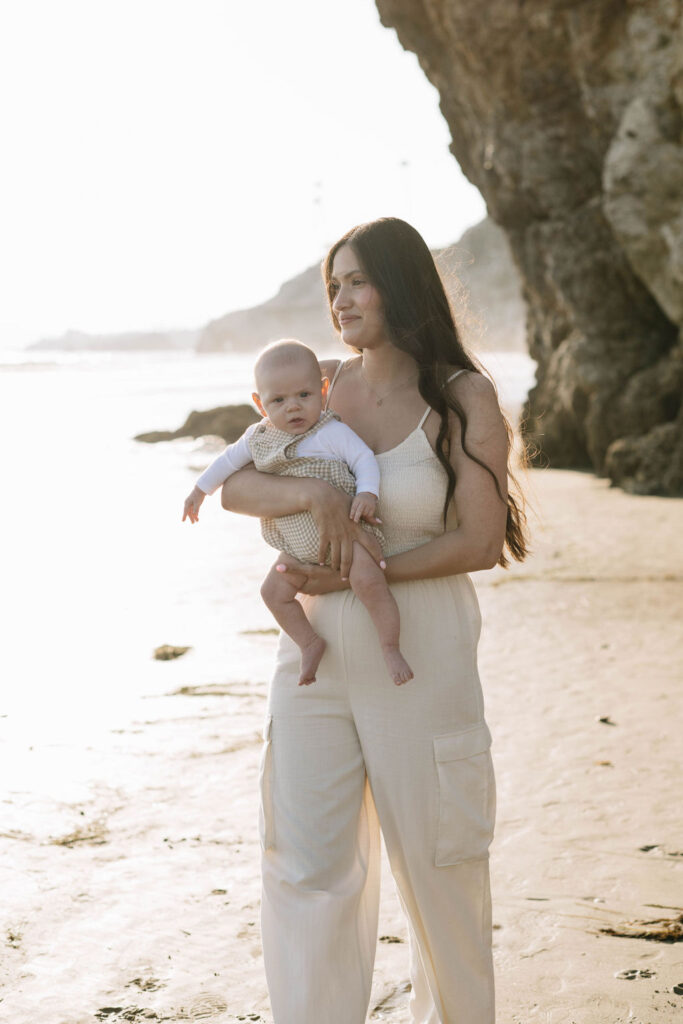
(135, 897)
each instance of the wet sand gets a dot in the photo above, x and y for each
(135, 897)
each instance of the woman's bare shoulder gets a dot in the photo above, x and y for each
(478, 399)
(330, 366)
(469, 386)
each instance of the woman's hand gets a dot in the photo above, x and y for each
(252, 493)
(320, 579)
(330, 510)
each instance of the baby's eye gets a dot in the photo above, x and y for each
(276, 400)
(304, 394)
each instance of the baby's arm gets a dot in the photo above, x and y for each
(235, 456)
(345, 444)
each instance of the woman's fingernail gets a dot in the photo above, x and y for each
(377, 520)
(382, 564)
(281, 568)
(344, 579)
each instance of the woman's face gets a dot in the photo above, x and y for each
(356, 302)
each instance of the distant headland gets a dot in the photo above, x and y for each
(478, 273)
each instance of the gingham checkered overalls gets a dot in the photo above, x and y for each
(275, 451)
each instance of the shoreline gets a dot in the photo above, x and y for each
(136, 896)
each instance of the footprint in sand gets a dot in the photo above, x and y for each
(247, 934)
(125, 1013)
(394, 999)
(633, 973)
(206, 1008)
(146, 984)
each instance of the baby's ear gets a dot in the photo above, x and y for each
(255, 397)
(325, 387)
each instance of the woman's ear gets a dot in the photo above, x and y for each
(258, 403)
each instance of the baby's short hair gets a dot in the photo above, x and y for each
(283, 353)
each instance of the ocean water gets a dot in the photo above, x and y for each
(96, 567)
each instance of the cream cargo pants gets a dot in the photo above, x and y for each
(350, 754)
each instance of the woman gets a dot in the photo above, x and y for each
(353, 753)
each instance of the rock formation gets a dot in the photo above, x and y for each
(226, 421)
(568, 116)
(299, 310)
(485, 289)
(479, 274)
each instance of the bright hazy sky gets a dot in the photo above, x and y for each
(166, 161)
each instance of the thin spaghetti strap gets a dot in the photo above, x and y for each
(429, 408)
(340, 364)
(424, 417)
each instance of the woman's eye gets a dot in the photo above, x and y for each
(358, 280)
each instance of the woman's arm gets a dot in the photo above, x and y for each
(266, 495)
(481, 512)
(251, 493)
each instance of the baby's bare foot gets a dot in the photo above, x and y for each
(310, 659)
(399, 669)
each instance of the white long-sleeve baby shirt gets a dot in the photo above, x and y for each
(334, 440)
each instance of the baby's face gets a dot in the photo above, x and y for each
(290, 395)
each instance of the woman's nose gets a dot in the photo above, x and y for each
(341, 299)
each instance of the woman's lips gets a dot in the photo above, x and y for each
(344, 321)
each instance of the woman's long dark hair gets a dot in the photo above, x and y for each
(418, 316)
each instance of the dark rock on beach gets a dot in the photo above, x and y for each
(167, 652)
(228, 422)
(568, 118)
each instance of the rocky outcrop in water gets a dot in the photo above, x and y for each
(568, 116)
(226, 421)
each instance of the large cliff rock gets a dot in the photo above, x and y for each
(568, 116)
(478, 272)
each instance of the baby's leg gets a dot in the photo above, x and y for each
(369, 584)
(279, 593)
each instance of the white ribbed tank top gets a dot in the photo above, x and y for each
(412, 488)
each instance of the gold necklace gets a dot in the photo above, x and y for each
(379, 399)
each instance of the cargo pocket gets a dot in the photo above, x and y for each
(266, 829)
(467, 795)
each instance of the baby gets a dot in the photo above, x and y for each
(296, 438)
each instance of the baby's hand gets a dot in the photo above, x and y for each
(363, 506)
(192, 504)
